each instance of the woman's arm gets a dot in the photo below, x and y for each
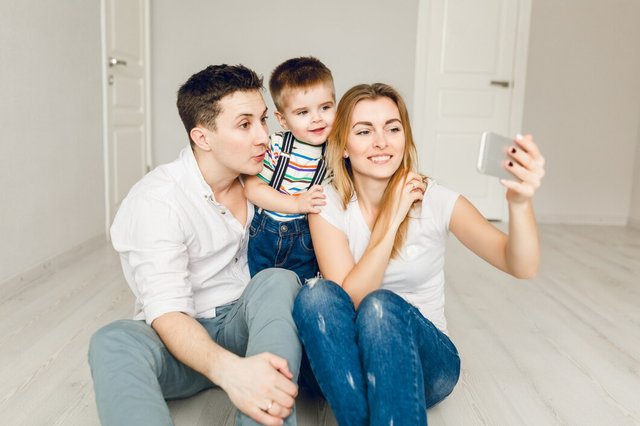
(334, 256)
(518, 253)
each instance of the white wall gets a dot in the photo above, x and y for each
(51, 174)
(634, 211)
(359, 40)
(583, 104)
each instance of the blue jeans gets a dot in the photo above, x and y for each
(286, 245)
(383, 363)
(133, 372)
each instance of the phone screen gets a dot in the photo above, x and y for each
(492, 155)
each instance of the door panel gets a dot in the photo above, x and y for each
(126, 97)
(470, 44)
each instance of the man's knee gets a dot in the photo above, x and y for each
(122, 342)
(276, 282)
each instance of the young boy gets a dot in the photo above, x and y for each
(289, 185)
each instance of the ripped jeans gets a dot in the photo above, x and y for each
(382, 364)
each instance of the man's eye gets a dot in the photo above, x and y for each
(264, 119)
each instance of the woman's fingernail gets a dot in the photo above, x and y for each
(519, 137)
(513, 150)
(510, 163)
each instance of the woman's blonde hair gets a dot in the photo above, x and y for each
(341, 167)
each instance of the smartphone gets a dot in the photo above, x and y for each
(492, 155)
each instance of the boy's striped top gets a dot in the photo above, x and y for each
(299, 174)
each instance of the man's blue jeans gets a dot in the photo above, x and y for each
(133, 372)
(284, 245)
(381, 364)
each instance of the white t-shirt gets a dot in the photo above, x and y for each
(417, 275)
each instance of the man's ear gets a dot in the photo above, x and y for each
(200, 137)
(281, 120)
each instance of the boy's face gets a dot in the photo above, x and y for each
(239, 140)
(309, 113)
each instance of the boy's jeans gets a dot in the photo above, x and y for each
(381, 364)
(284, 245)
(133, 372)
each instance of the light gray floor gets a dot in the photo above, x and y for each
(563, 348)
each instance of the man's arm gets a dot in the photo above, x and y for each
(251, 382)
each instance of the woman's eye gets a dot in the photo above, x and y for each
(394, 129)
(363, 132)
(244, 125)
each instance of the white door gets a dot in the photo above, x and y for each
(125, 47)
(471, 75)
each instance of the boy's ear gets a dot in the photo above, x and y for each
(281, 120)
(199, 136)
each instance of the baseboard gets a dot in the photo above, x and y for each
(634, 223)
(583, 219)
(52, 264)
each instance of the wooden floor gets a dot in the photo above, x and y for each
(563, 348)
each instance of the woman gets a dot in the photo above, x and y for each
(374, 327)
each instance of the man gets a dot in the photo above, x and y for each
(182, 237)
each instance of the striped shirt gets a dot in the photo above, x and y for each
(299, 174)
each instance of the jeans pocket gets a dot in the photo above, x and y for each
(306, 242)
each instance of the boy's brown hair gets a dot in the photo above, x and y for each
(297, 73)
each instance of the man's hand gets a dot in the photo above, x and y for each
(309, 201)
(260, 386)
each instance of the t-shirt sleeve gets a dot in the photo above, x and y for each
(271, 157)
(333, 212)
(440, 203)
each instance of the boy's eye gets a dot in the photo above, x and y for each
(326, 107)
(302, 112)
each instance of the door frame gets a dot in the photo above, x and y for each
(521, 55)
(105, 105)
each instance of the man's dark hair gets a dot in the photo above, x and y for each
(199, 98)
(297, 73)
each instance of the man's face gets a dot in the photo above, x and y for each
(240, 139)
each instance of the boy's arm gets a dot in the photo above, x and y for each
(268, 198)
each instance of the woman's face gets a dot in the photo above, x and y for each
(376, 139)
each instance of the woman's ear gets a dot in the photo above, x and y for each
(281, 120)
(201, 137)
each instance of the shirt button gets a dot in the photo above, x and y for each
(284, 228)
(223, 212)
(235, 260)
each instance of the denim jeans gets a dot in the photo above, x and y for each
(284, 245)
(381, 364)
(133, 372)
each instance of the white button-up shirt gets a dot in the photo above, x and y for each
(180, 249)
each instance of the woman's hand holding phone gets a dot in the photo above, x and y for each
(526, 163)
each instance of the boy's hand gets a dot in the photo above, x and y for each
(310, 201)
